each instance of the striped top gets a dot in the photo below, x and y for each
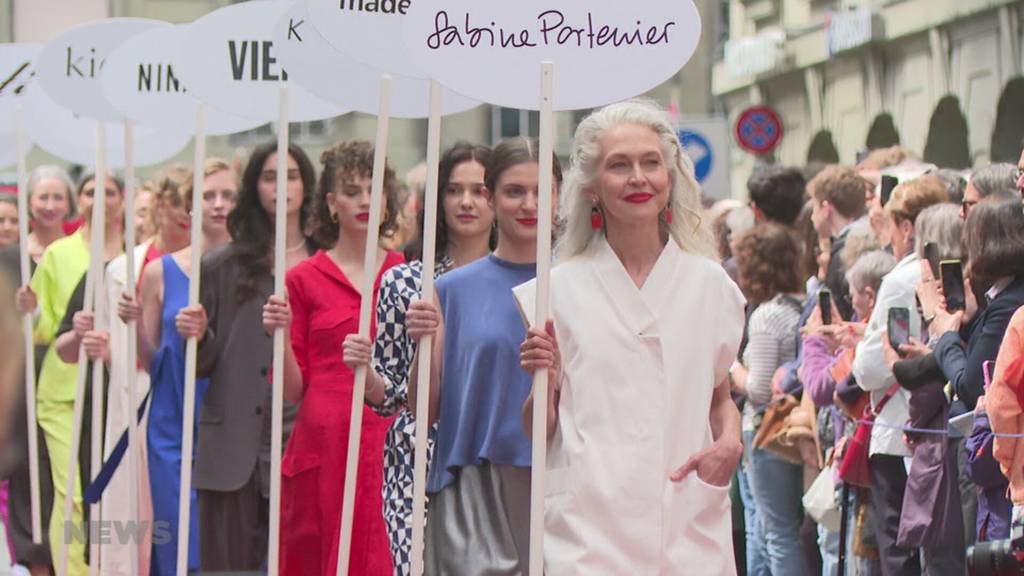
(773, 331)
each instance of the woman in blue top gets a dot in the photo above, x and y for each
(479, 480)
(164, 292)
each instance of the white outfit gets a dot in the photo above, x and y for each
(639, 369)
(115, 559)
(898, 289)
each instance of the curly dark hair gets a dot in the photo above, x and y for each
(768, 260)
(459, 153)
(350, 159)
(250, 226)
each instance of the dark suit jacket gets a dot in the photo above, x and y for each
(235, 354)
(959, 364)
(963, 366)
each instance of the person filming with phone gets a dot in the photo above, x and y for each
(967, 331)
(874, 374)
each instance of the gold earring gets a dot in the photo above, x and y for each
(334, 217)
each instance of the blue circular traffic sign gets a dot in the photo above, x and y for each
(700, 151)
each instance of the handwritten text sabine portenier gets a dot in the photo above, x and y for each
(553, 29)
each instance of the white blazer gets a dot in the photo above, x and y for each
(115, 556)
(639, 369)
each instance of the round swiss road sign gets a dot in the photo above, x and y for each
(758, 130)
(699, 150)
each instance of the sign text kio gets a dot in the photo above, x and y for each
(254, 57)
(83, 66)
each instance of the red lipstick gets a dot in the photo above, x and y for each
(639, 198)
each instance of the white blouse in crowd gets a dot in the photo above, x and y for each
(639, 369)
(873, 374)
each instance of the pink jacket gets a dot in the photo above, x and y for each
(1004, 409)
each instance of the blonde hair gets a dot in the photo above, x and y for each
(882, 158)
(860, 240)
(688, 229)
(910, 198)
(211, 166)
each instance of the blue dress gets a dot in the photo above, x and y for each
(167, 376)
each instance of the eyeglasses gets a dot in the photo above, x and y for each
(966, 205)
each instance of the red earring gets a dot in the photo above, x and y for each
(668, 216)
(595, 218)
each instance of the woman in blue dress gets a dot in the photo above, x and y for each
(164, 292)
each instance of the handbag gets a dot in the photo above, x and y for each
(854, 468)
(820, 501)
(773, 424)
(785, 426)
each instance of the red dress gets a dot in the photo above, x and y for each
(325, 309)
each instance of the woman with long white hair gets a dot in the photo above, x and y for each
(643, 437)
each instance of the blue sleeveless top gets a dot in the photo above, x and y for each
(483, 387)
(167, 369)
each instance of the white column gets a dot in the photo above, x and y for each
(873, 84)
(938, 40)
(813, 84)
(1009, 43)
(756, 94)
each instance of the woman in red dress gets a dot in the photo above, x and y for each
(322, 309)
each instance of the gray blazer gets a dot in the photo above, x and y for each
(235, 354)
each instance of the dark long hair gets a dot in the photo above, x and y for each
(994, 238)
(250, 226)
(461, 152)
(513, 152)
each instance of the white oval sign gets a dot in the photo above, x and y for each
(229, 60)
(307, 56)
(72, 137)
(368, 30)
(141, 80)
(16, 70)
(68, 67)
(8, 149)
(603, 51)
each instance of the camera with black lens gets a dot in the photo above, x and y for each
(1000, 557)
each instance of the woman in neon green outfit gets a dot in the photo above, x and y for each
(58, 274)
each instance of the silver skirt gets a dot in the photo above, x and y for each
(479, 525)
